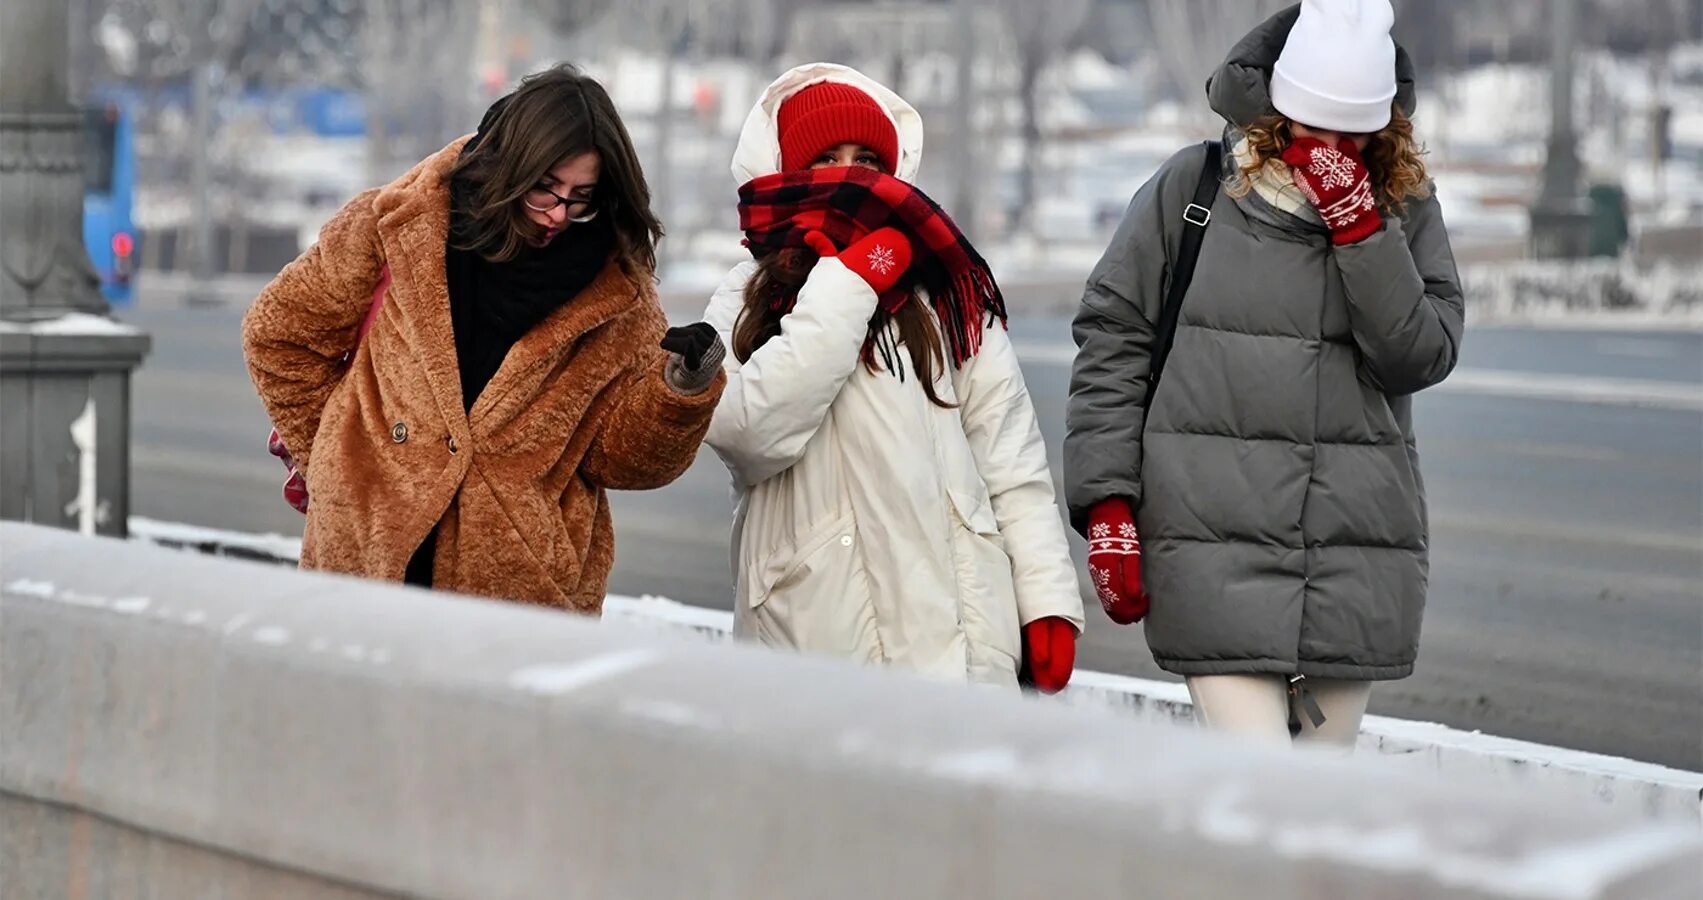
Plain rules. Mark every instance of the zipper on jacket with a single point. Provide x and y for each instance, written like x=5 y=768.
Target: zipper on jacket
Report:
x=1300 y=697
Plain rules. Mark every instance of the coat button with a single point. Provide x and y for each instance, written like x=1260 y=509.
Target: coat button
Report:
x=453 y=446
x=399 y=432
x=845 y=540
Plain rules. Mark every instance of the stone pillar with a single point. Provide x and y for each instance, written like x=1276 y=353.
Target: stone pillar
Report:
x=64 y=363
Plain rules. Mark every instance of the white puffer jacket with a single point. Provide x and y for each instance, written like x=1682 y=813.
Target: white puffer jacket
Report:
x=873 y=524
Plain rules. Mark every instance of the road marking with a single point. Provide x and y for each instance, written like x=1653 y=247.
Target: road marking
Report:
x=1636 y=348
x=1639 y=392
x=1544 y=529
x=1535 y=450
x=1565 y=452
x=201 y=465
x=181 y=385
x=1052 y=354
x=1536 y=575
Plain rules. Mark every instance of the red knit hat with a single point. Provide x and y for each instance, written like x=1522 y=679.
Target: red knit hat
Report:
x=828 y=114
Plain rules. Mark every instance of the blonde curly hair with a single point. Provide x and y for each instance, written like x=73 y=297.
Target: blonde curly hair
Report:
x=1393 y=157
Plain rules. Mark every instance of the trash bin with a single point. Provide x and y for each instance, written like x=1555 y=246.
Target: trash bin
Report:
x=1611 y=227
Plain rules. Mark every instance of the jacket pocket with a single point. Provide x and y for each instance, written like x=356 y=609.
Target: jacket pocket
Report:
x=987 y=593
x=813 y=595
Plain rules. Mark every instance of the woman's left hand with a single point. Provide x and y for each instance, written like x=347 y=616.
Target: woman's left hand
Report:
x=696 y=354
x=1049 y=653
x=1335 y=180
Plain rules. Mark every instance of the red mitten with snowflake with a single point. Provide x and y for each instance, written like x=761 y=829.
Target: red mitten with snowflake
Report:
x=1049 y=653
x=1335 y=181
x=880 y=258
x=1114 y=561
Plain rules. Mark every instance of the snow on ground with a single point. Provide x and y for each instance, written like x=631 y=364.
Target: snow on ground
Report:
x=269 y=547
x=71 y=324
x=1538 y=290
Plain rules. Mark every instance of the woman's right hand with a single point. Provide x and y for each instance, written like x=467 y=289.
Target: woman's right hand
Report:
x=880 y=258
x=1114 y=561
x=695 y=356
x=1336 y=182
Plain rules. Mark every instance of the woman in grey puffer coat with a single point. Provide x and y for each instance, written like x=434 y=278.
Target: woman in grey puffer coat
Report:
x=1274 y=485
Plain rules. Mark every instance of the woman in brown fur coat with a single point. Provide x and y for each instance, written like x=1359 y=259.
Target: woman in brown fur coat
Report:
x=518 y=367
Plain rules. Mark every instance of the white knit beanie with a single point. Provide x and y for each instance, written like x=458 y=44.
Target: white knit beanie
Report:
x=1338 y=67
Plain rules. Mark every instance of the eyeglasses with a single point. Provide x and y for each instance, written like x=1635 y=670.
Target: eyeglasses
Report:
x=542 y=199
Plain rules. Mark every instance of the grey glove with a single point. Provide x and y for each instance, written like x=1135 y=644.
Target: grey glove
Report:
x=695 y=355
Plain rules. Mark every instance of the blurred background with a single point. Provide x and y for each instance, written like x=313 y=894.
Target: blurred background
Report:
x=1564 y=459
x=233 y=128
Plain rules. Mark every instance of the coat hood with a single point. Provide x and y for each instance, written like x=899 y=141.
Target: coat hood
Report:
x=1240 y=90
x=759 y=149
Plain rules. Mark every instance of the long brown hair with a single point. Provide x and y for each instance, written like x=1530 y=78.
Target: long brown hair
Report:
x=778 y=279
x=1393 y=157
x=554 y=115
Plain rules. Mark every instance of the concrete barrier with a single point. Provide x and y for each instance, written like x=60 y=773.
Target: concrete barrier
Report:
x=225 y=729
x=1643 y=788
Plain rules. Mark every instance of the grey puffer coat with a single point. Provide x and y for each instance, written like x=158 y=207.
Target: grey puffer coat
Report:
x=1281 y=509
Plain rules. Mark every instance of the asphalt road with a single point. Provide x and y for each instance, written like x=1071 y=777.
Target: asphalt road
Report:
x=1566 y=602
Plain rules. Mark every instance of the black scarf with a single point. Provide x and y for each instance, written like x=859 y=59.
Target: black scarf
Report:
x=493 y=305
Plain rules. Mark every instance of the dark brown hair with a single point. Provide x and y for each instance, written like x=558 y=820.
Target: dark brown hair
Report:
x=778 y=279
x=555 y=115
x=1393 y=158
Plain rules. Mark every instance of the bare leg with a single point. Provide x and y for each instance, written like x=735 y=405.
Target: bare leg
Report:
x=1254 y=706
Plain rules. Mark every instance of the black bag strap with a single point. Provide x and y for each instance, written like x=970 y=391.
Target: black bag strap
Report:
x=1195 y=218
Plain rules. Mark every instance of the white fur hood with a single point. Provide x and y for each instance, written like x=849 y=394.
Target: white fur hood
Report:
x=759 y=150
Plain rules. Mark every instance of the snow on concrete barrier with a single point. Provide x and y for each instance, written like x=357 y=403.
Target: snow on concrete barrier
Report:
x=229 y=731
x=1601 y=292
x=1645 y=788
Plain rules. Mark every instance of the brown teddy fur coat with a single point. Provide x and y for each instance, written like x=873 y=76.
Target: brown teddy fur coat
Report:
x=579 y=407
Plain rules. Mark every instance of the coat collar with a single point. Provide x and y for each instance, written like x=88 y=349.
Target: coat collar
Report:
x=413 y=229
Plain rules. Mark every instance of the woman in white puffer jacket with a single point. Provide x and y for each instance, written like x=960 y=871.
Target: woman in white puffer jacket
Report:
x=895 y=504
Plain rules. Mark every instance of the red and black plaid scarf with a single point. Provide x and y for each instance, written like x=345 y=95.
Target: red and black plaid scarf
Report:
x=846 y=203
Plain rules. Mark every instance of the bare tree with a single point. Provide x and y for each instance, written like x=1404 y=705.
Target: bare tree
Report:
x=198 y=41
x=217 y=49
x=673 y=31
x=668 y=29
x=565 y=16
x=417 y=68
x=759 y=28
x=1040 y=32
x=1191 y=37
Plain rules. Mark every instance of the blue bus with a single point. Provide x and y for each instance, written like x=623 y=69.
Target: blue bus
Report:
x=109 y=185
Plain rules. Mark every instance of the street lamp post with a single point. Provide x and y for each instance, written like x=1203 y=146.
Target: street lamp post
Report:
x=64 y=363
x=1561 y=218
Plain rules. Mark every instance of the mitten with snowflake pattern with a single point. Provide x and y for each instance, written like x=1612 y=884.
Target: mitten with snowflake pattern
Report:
x=880 y=258
x=1336 y=182
x=1114 y=561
